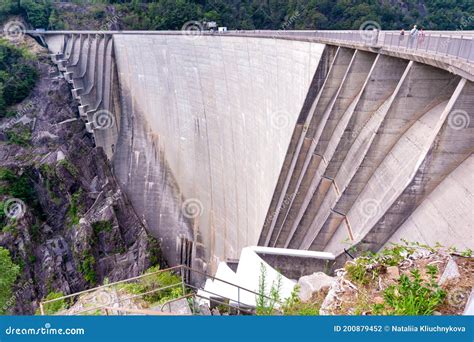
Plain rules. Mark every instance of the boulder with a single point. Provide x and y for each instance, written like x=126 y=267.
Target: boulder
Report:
x=312 y=284
x=450 y=272
x=469 y=309
x=393 y=272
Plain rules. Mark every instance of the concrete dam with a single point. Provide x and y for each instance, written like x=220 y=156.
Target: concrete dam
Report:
x=311 y=140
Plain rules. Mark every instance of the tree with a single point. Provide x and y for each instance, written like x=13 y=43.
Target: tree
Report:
x=8 y=273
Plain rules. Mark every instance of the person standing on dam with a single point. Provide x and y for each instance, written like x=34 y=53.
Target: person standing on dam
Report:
x=413 y=36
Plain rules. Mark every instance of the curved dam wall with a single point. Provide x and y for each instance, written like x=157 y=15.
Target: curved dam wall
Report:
x=219 y=113
x=229 y=141
x=387 y=156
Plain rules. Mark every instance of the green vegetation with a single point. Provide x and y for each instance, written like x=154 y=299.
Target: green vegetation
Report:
x=74 y=208
x=412 y=296
x=153 y=282
x=267 y=301
x=17 y=75
x=36 y=12
x=246 y=14
x=19 y=135
x=69 y=167
x=56 y=306
x=87 y=268
x=8 y=273
x=102 y=226
x=294 y=307
x=367 y=267
x=17 y=186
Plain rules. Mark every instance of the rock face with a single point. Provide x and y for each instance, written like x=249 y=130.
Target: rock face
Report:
x=313 y=283
x=78 y=227
x=450 y=272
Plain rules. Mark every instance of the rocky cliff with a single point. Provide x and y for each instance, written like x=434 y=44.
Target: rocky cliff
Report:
x=74 y=227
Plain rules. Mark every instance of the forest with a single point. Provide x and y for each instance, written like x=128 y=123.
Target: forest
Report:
x=248 y=14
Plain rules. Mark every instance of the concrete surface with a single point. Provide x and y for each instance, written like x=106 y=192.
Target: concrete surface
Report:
x=276 y=139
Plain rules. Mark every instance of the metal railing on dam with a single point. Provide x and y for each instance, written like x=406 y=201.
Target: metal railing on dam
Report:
x=453 y=50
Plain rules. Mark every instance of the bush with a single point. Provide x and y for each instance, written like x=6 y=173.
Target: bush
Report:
x=17 y=76
x=56 y=306
x=87 y=268
x=8 y=273
x=19 y=135
x=154 y=282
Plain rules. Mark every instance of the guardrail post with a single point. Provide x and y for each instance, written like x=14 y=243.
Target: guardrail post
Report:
x=437 y=44
x=41 y=309
x=182 y=281
x=459 y=48
x=238 y=299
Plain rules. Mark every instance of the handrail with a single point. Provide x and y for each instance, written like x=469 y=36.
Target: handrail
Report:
x=181 y=267
x=140 y=311
x=175 y=300
x=224 y=281
x=110 y=284
x=129 y=297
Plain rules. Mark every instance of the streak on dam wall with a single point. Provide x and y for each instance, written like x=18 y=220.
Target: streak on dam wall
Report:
x=230 y=141
x=212 y=116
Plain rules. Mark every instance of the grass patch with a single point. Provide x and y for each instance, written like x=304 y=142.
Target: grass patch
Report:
x=366 y=268
x=56 y=306
x=294 y=307
x=412 y=296
x=154 y=282
x=19 y=135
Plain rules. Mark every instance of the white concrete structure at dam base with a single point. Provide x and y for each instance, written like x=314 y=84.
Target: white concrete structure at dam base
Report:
x=305 y=140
